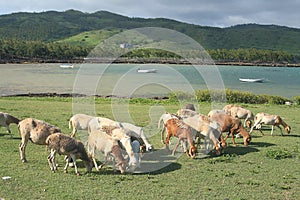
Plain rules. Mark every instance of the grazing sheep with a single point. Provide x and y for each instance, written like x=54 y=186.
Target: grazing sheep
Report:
x=36 y=131
x=66 y=145
x=79 y=122
x=99 y=140
x=164 y=118
x=231 y=125
x=119 y=133
x=186 y=113
x=240 y=113
x=274 y=120
x=7 y=119
x=138 y=133
x=215 y=111
x=177 y=128
x=208 y=129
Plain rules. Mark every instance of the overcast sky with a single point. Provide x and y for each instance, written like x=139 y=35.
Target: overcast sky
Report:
x=220 y=13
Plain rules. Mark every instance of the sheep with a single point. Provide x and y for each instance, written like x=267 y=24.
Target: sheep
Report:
x=7 y=119
x=79 y=122
x=207 y=128
x=231 y=125
x=99 y=140
x=177 y=128
x=66 y=145
x=119 y=133
x=240 y=113
x=215 y=111
x=36 y=131
x=138 y=133
x=274 y=120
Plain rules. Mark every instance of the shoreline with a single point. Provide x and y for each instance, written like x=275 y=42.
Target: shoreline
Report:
x=150 y=61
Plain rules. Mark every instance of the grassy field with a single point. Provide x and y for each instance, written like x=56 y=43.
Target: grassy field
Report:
x=267 y=169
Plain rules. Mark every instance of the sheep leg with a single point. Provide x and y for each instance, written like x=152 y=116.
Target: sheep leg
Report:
x=168 y=140
x=227 y=135
x=73 y=132
x=51 y=160
x=233 y=141
x=22 y=148
x=162 y=134
x=95 y=163
x=232 y=131
x=272 y=130
x=9 y=131
x=73 y=156
x=173 y=153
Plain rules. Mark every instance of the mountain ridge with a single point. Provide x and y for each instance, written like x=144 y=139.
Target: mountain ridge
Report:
x=49 y=26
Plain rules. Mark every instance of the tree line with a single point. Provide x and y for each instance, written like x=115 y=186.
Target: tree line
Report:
x=19 y=50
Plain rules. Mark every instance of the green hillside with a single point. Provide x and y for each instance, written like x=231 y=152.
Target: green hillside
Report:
x=88 y=28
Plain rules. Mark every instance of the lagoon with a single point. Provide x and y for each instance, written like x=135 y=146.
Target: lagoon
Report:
x=123 y=79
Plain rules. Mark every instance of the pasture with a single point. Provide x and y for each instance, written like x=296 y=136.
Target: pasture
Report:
x=266 y=169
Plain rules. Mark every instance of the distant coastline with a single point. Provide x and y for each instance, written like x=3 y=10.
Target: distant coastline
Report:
x=148 y=61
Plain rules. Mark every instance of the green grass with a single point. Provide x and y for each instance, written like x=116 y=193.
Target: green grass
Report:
x=267 y=169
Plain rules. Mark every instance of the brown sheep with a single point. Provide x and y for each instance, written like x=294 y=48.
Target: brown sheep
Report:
x=232 y=126
x=177 y=128
x=7 y=119
x=66 y=145
x=36 y=131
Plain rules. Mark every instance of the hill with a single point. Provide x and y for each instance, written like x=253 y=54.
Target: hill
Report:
x=74 y=26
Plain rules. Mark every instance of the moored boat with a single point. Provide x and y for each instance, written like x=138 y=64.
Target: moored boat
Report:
x=252 y=80
x=66 y=66
x=146 y=70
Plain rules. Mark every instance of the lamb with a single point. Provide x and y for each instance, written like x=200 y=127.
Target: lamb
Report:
x=99 y=140
x=36 y=131
x=7 y=119
x=66 y=145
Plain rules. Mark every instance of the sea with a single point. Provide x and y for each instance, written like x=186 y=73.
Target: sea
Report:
x=123 y=80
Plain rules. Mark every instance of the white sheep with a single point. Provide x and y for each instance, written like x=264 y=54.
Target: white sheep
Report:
x=99 y=140
x=119 y=133
x=66 y=145
x=79 y=122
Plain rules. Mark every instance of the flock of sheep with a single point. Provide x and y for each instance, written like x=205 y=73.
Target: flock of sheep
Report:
x=126 y=143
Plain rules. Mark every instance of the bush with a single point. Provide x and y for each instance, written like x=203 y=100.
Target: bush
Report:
x=297 y=100
x=234 y=96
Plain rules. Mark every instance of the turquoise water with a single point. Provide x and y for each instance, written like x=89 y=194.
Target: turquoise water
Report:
x=123 y=80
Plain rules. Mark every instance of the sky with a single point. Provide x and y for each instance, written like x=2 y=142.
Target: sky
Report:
x=217 y=13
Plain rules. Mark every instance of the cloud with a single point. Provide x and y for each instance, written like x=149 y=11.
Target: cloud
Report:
x=202 y=12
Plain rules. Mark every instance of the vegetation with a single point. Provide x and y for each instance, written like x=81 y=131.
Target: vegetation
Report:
x=266 y=169
x=72 y=34
x=232 y=96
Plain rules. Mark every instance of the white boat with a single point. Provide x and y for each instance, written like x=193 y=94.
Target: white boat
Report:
x=146 y=70
x=66 y=66
x=252 y=80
